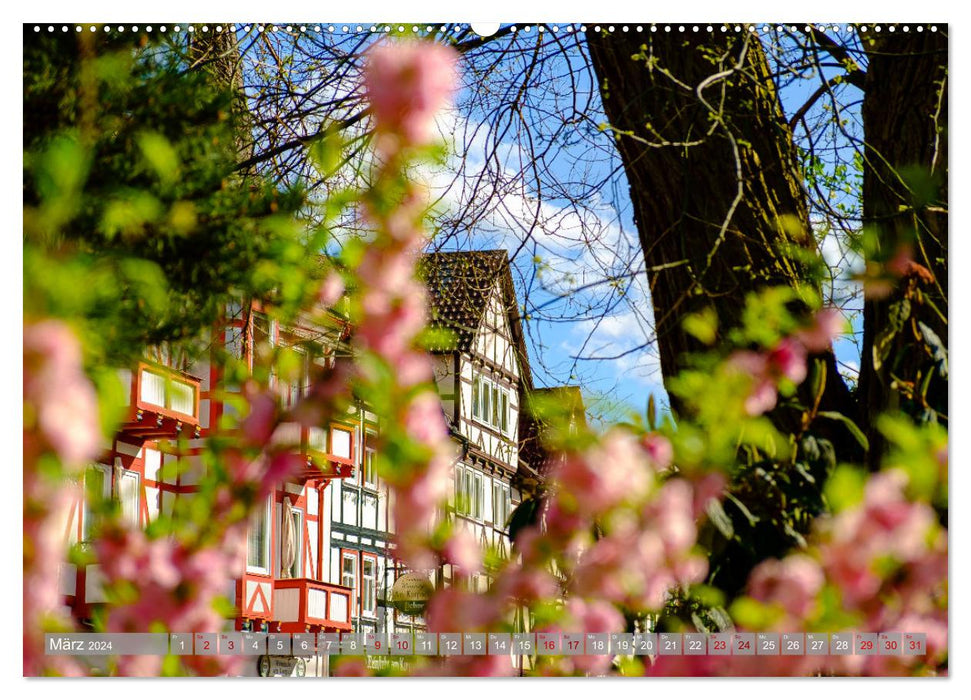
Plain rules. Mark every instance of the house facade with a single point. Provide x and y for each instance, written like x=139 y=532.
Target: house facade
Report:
x=320 y=554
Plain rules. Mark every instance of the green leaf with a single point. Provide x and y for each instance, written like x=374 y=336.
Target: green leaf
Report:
x=844 y=488
x=938 y=349
x=719 y=518
x=850 y=425
x=818 y=380
x=752 y=519
x=159 y=155
x=752 y=614
x=702 y=325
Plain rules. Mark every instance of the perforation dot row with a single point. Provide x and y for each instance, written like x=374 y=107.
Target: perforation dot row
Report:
x=350 y=29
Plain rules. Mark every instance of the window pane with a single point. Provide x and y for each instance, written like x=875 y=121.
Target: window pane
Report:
x=485 y=402
x=340 y=443
x=475 y=397
x=182 y=398
x=370 y=469
x=128 y=496
x=504 y=412
x=479 y=496
x=317 y=439
x=368 y=585
x=153 y=388
x=349 y=575
x=256 y=553
x=95 y=485
x=495 y=406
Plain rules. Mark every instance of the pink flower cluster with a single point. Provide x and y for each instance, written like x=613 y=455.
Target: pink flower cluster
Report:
x=647 y=529
x=786 y=361
x=644 y=555
x=167 y=583
x=60 y=419
x=407 y=84
x=887 y=558
x=60 y=405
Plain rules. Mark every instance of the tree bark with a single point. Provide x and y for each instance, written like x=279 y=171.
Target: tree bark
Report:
x=218 y=54
x=713 y=179
x=905 y=201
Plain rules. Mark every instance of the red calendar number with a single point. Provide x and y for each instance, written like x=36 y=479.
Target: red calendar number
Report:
x=720 y=645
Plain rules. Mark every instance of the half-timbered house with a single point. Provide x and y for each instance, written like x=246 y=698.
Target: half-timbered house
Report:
x=288 y=582
x=320 y=553
x=483 y=377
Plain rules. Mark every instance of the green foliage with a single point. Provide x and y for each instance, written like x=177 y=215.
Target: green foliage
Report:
x=135 y=225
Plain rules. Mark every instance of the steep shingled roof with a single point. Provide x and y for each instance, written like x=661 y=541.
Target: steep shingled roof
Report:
x=459 y=286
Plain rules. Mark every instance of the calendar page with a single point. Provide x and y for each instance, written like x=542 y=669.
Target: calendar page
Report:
x=514 y=349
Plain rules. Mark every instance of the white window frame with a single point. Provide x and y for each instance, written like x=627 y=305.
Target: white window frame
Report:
x=491 y=404
x=500 y=494
x=369 y=470
x=469 y=492
x=267 y=519
x=353 y=557
x=298 y=549
x=369 y=586
x=133 y=518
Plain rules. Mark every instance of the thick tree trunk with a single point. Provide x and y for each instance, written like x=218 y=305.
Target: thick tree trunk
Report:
x=218 y=54
x=905 y=203
x=713 y=179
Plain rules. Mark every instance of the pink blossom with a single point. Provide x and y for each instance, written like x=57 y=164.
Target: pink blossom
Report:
x=455 y=610
x=331 y=289
x=709 y=487
x=793 y=582
x=463 y=551
x=762 y=393
x=788 y=359
x=659 y=450
x=828 y=324
x=597 y=617
x=407 y=84
x=610 y=473
x=671 y=515
x=58 y=394
x=424 y=419
x=527 y=584
x=262 y=419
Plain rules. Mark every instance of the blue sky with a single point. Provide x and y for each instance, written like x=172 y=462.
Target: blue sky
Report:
x=558 y=246
x=569 y=238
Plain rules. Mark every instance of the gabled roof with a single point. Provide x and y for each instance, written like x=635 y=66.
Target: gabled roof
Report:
x=460 y=285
